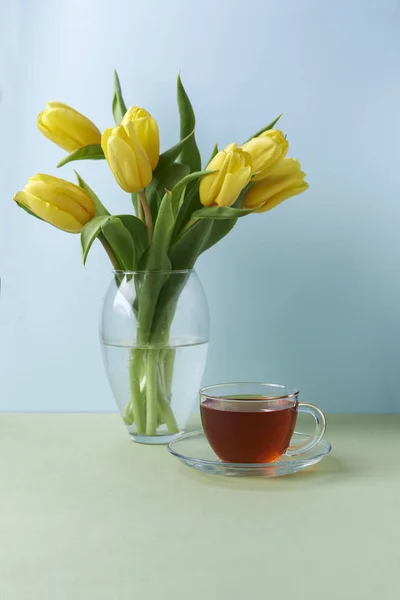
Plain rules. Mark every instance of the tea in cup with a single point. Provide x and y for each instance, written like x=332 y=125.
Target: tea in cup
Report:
x=254 y=422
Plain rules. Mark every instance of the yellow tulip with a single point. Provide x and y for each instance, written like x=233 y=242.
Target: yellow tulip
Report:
x=59 y=202
x=126 y=157
x=284 y=181
x=266 y=150
x=66 y=127
x=233 y=169
x=146 y=130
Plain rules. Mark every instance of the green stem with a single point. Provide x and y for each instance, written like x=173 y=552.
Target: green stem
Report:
x=140 y=211
x=154 y=317
x=128 y=415
x=147 y=213
x=169 y=417
x=109 y=251
x=169 y=362
x=136 y=402
x=165 y=398
x=151 y=391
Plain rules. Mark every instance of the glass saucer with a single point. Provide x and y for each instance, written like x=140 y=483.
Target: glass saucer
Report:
x=194 y=451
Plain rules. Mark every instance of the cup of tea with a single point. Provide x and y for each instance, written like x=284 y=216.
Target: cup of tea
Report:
x=254 y=422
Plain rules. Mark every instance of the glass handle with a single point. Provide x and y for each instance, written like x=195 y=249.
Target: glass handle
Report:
x=320 y=427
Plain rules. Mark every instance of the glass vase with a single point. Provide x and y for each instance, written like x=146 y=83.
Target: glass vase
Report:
x=154 y=333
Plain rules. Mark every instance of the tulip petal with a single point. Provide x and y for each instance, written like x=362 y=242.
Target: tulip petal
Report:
x=220 y=186
x=147 y=133
x=235 y=162
x=60 y=202
x=285 y=167
x=55 y=136
x=142 y=160
x=48 y=212
x=217 y=161
x=128 y=115
x=232 y=186
x=280 y=197
x=231 y=147
x=285 y=175
x=55 y=104
x=247 y=159
x=66 y=127
x=146 y=129
x=126 y=157
x=63 y=194
x=122 y=161
x=279 y=138
x=264 y=153
x=204 y=190
x=104 y=140
x=263 y=190
x=133 y=113
x=74 y=125
x=211 y=185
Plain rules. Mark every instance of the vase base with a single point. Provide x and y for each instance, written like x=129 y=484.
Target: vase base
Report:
x=154 y=440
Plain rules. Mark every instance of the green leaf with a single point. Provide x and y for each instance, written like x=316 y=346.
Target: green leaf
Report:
x=190 y=154
x=119 y=238
x=186 y=250
x=138 y=232
x=118 y=104
x=156 y=189
x=168 y=157
x=213 y=153
x=91 y=152
x=100 y=208
x=175 y=173
x=221 y=227
x=166 y=306
x=190 y=203
x=157 y=255
x=154 y=259
x=117 y=84
x=179 y=189
x=89 y=233
x=219 y=230
x=266 y=128
x=135 y=202
x=221 y=212
x=154 y=197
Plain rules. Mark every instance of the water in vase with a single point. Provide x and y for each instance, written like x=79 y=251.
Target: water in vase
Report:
x=176 y=378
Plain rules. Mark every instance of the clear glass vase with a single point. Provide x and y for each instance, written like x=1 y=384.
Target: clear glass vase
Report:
x=154 y=332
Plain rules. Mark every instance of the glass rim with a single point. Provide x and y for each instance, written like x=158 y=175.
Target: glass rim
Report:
x=291 y=393
x=159 y=272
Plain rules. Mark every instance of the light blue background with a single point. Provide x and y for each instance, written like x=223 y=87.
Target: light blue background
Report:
x=307 y=294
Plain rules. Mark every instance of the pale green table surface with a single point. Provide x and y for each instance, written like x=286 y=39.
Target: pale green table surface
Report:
x=87 y=514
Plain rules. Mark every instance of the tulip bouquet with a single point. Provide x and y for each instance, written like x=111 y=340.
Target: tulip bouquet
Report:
x=181 y=210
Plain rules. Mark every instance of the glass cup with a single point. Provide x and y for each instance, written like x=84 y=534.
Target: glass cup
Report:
x=254 y=422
